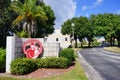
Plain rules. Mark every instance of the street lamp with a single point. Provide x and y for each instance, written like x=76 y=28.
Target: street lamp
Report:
x=73 y=31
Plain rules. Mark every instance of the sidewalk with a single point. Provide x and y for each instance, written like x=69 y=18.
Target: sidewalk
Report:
x=90 y=72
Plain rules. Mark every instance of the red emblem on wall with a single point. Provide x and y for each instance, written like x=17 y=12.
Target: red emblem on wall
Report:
x=32 y=48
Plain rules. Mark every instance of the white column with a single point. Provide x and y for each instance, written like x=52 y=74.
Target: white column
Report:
x=10 y=52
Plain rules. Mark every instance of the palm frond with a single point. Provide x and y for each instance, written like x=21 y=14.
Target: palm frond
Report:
x=40 y=13
x=44 y=17
x=17 y=7
x=28 y=12
x=18 y=19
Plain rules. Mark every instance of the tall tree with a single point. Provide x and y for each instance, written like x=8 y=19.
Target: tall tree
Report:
x=47 y=27
x=6 y=17
x=117 y=28
x=89 y=32
x=105 y=26
x=83 y=28
x=67 y=29
x=28 y=12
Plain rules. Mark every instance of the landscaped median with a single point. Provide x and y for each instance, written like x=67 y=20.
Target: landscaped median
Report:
x=113 y=49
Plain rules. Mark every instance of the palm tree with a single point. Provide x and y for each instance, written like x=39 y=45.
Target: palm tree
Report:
x=27 y=14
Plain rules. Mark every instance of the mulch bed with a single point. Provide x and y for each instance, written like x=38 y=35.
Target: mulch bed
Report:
x=40 y=73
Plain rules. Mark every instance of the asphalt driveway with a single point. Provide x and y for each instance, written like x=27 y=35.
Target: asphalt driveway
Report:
x=107 y=64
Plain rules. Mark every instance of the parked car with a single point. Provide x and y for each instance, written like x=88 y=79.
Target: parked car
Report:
x=105 y=44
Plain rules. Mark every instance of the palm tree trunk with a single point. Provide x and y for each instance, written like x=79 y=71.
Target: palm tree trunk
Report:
x=34 y=28
x=31 y=28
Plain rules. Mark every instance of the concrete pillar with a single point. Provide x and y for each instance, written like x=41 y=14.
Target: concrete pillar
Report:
x=10 y=52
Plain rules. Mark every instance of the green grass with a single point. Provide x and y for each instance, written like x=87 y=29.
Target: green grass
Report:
x=77 y=73
x=8 y=78
x=113 y=49
x=75 y=52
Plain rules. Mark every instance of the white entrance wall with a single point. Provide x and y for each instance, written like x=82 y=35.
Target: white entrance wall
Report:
x=14 y=49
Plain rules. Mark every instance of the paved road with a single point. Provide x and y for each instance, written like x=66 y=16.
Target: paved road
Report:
x=106 y=63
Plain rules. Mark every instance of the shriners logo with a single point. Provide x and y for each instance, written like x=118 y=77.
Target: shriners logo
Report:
x=32 y=48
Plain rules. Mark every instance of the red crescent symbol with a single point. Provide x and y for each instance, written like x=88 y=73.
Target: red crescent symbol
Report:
x=32 y=48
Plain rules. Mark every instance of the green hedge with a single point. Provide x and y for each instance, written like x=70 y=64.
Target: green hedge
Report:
x=2 y=59
x=52 y=62
x=24 y=66
x=68 y=53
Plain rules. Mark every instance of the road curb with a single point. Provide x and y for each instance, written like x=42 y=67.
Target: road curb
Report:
x=90 y=72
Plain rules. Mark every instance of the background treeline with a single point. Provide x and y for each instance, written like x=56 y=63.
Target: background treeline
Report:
x=106 y=25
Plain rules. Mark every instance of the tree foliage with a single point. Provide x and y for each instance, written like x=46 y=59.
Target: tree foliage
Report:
x=34 y=17
x=107 y=25
x=82 y=29
x=6 y=18
x=47 y=27
x=27 y=14
x=16 y=14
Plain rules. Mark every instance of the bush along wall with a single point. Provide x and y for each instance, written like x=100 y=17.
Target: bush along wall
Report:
x=2 y=59
x=23 y=66
x=69 y=54
x=52 y=62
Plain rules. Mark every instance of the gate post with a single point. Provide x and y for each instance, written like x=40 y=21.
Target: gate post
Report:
x=10 y=52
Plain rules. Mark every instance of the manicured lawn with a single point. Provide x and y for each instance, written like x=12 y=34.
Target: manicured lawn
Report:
x=7 y=78
x=75 y=74
x=113 y=49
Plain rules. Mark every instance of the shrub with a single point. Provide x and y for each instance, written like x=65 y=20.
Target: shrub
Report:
x=23 y=34
x=2 y=59
x=23 y=66
x=53 y=62
x=95 y=43
x=68 y=53
x=84 y=43
x=63 y=63
x=40 y=63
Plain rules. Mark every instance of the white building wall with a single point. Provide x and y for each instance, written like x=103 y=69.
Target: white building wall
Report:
x=64 y=40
